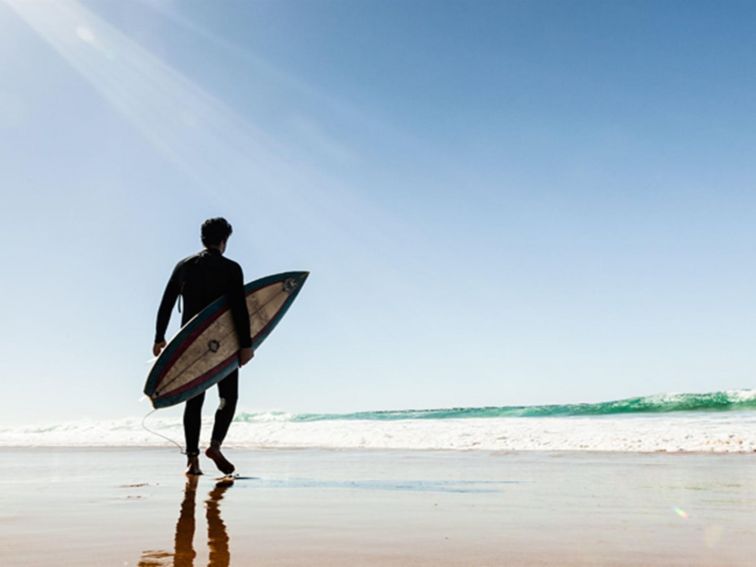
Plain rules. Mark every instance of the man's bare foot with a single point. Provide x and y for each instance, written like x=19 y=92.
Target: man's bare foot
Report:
x=220 y=461
x=192 y=466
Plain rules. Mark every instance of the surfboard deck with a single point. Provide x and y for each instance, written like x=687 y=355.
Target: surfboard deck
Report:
x=206 y=349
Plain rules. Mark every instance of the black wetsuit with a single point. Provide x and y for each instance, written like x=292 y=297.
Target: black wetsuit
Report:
x=200 y=280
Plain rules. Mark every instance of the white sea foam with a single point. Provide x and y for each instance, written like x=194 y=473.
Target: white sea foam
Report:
x=727 y=432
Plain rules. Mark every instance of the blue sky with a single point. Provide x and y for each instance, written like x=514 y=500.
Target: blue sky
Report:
x=500 y=203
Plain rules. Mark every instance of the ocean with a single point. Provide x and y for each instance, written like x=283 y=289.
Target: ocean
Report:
x=717 y=422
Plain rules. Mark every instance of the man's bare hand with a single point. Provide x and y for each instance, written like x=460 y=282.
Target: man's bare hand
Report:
x=157 y=347
x=245 y=355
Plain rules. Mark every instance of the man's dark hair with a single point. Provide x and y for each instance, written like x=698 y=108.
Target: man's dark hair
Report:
x=215 y=231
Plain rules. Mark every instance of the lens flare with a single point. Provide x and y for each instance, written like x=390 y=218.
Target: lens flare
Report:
x=85 y=34
x=681 y=513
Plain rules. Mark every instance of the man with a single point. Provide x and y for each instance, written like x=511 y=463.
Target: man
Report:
x=201 y=279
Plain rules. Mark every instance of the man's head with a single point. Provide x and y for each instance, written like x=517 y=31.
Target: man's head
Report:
x=215 y=232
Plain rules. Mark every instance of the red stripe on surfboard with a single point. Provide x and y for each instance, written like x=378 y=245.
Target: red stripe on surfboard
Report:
x=197 y=381
x=214 y=369
x=196 y=333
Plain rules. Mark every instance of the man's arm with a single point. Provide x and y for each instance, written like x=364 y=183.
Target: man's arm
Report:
x=170 y=295
x=240 y=314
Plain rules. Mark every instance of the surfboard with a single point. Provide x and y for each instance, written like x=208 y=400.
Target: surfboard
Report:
x=206 y=349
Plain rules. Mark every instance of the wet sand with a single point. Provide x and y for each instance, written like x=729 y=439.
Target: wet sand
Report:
x=317 y=507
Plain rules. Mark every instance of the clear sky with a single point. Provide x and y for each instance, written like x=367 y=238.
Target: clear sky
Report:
x=499 y=202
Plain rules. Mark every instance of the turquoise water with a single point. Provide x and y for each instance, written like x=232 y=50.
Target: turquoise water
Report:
x=715 y=422
x=732 y=400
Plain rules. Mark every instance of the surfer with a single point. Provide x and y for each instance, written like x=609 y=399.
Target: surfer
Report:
x=200 y=279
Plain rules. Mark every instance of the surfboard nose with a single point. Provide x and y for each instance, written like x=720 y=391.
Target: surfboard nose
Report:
x=295 y=281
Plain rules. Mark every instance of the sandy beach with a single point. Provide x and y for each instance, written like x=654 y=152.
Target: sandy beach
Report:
x=126 y=506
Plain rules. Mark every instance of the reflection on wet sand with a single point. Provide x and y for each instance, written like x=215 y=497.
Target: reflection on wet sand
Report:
x=217 y=536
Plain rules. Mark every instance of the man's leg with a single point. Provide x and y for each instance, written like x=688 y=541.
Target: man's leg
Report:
x=228 y=390
x=192 y=425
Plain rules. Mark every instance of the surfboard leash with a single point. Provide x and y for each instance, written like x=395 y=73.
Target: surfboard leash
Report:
x=144 y=426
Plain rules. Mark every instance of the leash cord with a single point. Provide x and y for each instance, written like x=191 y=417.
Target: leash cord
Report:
x=144 y=426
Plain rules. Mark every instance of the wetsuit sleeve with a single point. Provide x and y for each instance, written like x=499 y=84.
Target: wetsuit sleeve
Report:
x=238 y=305
x=170 y=295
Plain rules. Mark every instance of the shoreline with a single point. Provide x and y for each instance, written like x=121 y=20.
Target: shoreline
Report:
x=692 y=433
x=379 y=450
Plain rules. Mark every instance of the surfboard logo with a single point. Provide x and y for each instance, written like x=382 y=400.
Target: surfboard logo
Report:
x=290 y=284
x=213 y=345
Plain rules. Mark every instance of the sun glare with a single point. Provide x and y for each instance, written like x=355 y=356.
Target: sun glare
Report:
x=193 y=129
x=210 y=143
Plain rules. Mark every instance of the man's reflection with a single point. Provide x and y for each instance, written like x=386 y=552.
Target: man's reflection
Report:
x=217 y=536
